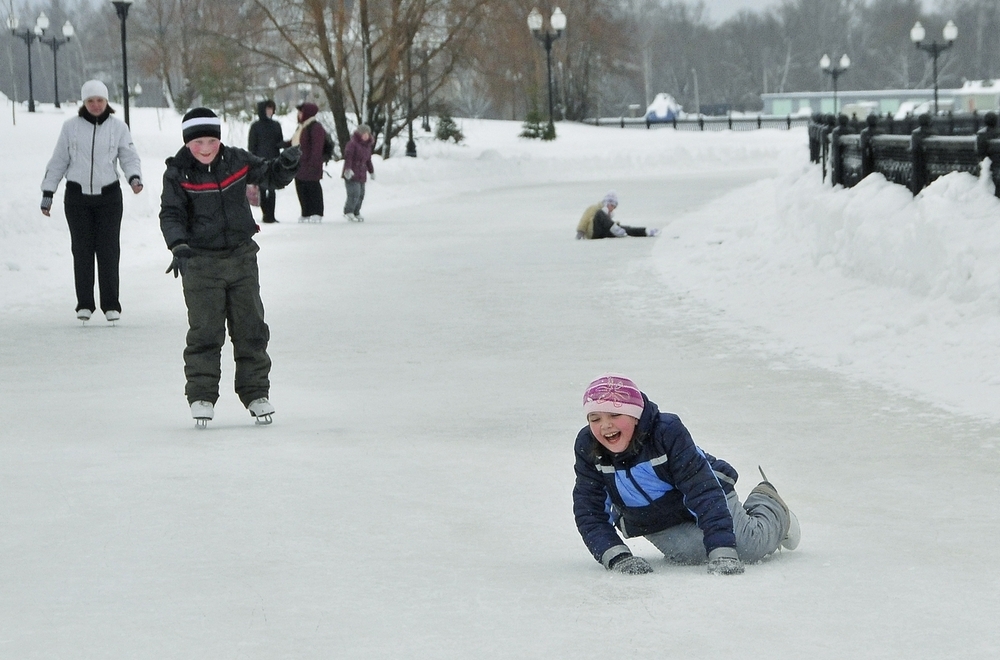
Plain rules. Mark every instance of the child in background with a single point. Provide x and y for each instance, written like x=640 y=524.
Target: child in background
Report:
x=597 y=222
x=639 y=471
x=208 y=226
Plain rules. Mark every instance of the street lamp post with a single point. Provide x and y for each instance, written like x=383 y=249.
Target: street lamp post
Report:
x=425 y=57
x=411 y=146
x=54 y=43
x=834 y=72
x=917 y=34
x=27 y=36
x=558 y=23
x=122 y=7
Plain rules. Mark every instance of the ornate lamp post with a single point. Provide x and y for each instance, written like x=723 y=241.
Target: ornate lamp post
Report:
x=917 y=34
x=54 y=43
x=411 y=146
x=122 y=7
x=558 y=23
x=834 y=72
x=425 y=58
x=28 y=36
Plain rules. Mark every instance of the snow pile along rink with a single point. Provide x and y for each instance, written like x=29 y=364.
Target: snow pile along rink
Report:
x=869 y=281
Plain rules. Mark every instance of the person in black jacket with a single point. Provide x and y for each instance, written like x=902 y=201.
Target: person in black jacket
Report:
x=207 y=224
x=639 y=473
x=266 y=140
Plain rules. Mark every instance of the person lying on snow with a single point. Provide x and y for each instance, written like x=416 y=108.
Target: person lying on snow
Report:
x=639 y=473
x=597 y=222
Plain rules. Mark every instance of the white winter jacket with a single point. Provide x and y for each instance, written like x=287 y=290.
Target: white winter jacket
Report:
x=88 y=153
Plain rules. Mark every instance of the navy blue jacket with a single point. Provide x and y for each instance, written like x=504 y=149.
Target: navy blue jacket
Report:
x=661 y=480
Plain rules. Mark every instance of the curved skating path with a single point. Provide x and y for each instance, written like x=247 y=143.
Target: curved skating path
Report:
x=412 y=498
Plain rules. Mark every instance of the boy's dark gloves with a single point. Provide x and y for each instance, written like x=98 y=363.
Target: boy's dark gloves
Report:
x=179 y=264
x=630 y=565
x=46 y=204
x=724 y=561
x=289 y=158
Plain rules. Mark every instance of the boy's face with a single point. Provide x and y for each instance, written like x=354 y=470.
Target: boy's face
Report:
x=613 y=430
x=204 y=149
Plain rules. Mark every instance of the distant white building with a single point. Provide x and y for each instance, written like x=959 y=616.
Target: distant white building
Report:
x=881 y=101
x=978 y=96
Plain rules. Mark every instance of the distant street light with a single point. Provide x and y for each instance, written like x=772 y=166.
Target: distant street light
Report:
x=558 y=23
x=917 y=34
x=425 y=58
x=28 y=36
x=54 y=43
x=834 y=72
x=122 y=7
x=411 y=146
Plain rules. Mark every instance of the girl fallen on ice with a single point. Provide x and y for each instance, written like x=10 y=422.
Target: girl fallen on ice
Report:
x=597 y=222
x=639 y=473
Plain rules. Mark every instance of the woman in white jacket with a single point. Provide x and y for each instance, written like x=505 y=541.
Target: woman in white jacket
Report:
x=90 y=149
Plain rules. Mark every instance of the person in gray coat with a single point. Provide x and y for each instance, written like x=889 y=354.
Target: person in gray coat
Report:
x=90 y=149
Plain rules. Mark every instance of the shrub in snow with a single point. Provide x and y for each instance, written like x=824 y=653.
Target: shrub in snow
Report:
x=447 y=129
x=536 y=127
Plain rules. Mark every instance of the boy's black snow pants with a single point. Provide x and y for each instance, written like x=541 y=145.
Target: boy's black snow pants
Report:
x=220 y=289
x=95 y=223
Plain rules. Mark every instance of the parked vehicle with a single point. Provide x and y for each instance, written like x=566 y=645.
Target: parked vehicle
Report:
x=664 y=108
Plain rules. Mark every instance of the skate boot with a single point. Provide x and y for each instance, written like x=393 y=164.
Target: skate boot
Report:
x=112 y=315
x=83 y=314
x=261 y=410
x=202 y=411
x=793 y=534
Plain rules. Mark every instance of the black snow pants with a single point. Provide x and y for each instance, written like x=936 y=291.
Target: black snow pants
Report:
x=220 y=289
x=95 y=223
x=310 y=195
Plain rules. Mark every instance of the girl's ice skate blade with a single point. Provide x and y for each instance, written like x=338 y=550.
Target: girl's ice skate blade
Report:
x=261 y=410
x=202 y=412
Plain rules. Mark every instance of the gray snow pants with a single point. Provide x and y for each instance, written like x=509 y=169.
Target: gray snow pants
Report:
x=759 y=525
x=355 y=195
x=223 y=289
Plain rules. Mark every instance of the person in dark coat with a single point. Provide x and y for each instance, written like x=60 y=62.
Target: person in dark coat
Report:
x=597 y=222
x=357 y=167
x=208 y=226
x=639 y=473
x=309 y=136
x=266 y=140
x=92 y=146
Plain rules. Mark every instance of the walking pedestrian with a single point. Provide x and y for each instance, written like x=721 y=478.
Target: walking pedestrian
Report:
x=265 y=140
x=90 y=149
x=309 y=136
x=208 y=226
x=357 y=167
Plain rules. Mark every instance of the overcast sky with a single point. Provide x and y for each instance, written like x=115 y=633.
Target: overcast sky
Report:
x=720 y=10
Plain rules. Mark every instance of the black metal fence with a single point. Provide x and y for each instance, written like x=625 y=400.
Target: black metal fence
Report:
x=727 y=123
x=911 y=152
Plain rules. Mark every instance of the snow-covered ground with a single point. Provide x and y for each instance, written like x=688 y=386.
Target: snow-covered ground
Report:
x=412 y=498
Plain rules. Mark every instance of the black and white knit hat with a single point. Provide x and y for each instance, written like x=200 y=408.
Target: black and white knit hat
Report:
x=201 y=122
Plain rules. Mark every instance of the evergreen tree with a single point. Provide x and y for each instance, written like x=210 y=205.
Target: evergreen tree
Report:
x=447 y=129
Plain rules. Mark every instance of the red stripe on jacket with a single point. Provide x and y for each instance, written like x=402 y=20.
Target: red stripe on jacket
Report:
x=228 y=181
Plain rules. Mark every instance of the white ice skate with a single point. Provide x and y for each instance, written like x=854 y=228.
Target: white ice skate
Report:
x=112 y=315
x=202 y=411
x=83 y=314
x=261 y=410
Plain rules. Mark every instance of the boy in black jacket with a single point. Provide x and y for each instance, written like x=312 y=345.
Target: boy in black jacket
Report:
x=207 y=225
